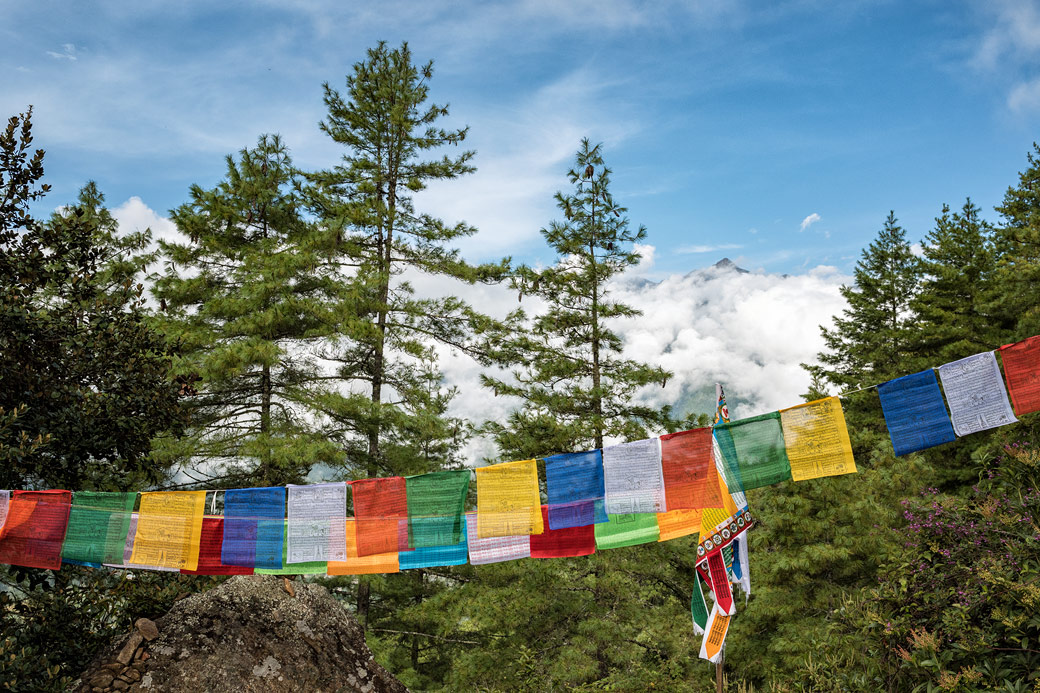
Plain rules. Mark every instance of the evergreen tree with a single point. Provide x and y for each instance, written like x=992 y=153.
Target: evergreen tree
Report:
x=576 y=388
x=1017 y=243
x=385 y=333
x=951 y=306
x=245 y=297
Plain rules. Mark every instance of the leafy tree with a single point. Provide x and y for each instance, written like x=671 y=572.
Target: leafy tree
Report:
x=83 y=377
x=576 y=388
x=246 y=298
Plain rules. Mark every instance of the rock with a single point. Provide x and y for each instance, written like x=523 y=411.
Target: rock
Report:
x=102 y=679
x=114 y=666
x=127 y=653
x=120 y=685
x=230 y=640
x=147 y=628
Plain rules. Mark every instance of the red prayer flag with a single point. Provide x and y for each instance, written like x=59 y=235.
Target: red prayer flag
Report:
x=560 y=543
x=209 y=551
x=691 y=480
x=380 y=515
x=1022 y=372
x=35 y=528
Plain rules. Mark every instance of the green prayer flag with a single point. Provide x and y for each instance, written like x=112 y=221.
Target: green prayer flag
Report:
x=311 y=568
x=753 y=452
x=698 y=607
x=627 y=530
x=436 y=505
x=98 y=523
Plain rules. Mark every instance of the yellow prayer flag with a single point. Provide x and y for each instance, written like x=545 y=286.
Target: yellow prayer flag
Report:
x=817 y=440
x=363 y=565
x=678 y=523
x=169 y=529
x=508 y=500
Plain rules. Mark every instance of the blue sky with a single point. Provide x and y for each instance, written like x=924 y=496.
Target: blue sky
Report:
x=778 y=134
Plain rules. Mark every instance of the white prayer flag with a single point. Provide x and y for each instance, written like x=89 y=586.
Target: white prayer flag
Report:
x=976 y=394
x=633 y=478
x=5 y=499
x=495 y=549
x=317 y=521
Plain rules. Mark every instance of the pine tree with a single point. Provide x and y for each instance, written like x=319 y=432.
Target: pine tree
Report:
x=951 y=306
x=385 y=333
x=244 y=296
x=1017 y=244
x=576 y=388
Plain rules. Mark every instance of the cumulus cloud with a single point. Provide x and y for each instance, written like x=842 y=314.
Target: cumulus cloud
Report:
x=809 y=221
x=134 y=215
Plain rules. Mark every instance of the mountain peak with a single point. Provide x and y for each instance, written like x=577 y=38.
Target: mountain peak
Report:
x=727 y=264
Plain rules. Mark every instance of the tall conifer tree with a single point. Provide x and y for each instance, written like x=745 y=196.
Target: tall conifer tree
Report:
x=245 y=297
x=1017 y=243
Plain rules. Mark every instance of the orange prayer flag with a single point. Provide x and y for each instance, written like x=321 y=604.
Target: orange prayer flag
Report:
x=363 y=565
x=35 y=528
x=679 y=523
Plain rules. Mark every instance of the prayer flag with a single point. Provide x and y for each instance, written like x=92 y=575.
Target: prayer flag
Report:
x=715 y=638
x=35 y=528
x=753 y=452
x=508 y=500
x=1022 y=370
x=575 y=489
x=5 y=499
x=254 y=525
x=436 y=504
x=976 y=395
x=495 y=549
x=817 y=440
x=363 y=565
x=633 y=478
x=560 y=543
x=169 y=529
x=380 y=515
x=698 y=607
x=303 y=568
x=690 y=477
x=128 y=552
x=98 y=523
x=720 y=582
x=627 y=530
x=317 y=516
x=914 y=412
x=434 y=556
x=210 y=551
x=678 y=523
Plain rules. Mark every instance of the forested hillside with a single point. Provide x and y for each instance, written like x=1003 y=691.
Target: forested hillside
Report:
x=283 y=342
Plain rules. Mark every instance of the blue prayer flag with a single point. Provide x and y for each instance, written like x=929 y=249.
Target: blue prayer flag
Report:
x=433 y=556
x=915 y=412
x=575 y=488
x=254 y=522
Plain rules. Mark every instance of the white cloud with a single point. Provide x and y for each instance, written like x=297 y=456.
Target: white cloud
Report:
x=698 y=249
x=1025 y=97
x=809 y=221
x=1009 y=51
x=134 y=215
x=68 y=52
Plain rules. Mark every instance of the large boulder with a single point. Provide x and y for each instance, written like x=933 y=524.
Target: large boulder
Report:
x=252 y=633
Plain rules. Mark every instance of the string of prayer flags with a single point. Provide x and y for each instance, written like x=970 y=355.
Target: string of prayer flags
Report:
x=575 y=489
x=817 y=440
x=976 y=395
x=380 y=515
x=678 y=523
x=508 y=500
x=633 y=478
x=210 y=545
x=436 y=505
x=98 y=523
x=690 y=477
x=169 y=529
x=34 y=528
x=561 y=543
x=317 y=515
x=363 y=565
x=254 y=526
x=435 y=556
x=915 y=413
x=627 y=530
x=495 y=549
x=128 y=552
x=302 y=568
x=1022 y=370
x=753 y=452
